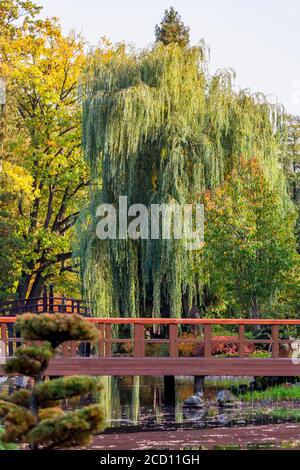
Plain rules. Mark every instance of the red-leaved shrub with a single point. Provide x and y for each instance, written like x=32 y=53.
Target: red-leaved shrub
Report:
x=224 y=345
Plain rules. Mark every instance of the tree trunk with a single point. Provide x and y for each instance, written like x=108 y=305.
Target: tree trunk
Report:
x=254 y=312
x=34 y=405
x=254 y=308
x=37 y=286
x=23 y=285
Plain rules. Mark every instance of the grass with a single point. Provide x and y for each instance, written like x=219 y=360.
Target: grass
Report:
x=226 y=383
x=285 y=413
x=277 y=393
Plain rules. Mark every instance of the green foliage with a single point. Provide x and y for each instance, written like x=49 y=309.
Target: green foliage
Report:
x=44 y=176
x=277 y=393
x=70 y=429
x=4 y=445
x=172 y=29
x=30 y=360
x=285 y=414
x=34 y=416
x=159 y=129
x=291 y=164
x=221 y=383
x=50 y=413
x=18 y=421
x=55 y=328
x=250 y=247
x=20 y=398
x=65 y=388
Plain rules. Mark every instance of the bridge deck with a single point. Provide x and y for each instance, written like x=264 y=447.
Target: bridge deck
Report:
x=159 y=366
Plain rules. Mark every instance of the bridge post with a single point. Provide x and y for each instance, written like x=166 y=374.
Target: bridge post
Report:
x=107 y=341
x=101 y=345
x=173 y=340
x=139 y=340
x=45 y=300
x=207 y=340
x=242 y=340
x=198 y=383
x=4 y=338
x=51 y=298
x=169 y=389
x=275 y=341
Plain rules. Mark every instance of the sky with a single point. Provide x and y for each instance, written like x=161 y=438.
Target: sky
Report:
x=259 y=39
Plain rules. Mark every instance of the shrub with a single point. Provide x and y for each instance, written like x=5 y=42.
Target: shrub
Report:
x=227 y=345
x=34 y=416
x=4 y=445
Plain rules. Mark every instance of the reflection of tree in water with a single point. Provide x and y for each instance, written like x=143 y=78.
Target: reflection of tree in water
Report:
x=120 y=399
x=140 y=401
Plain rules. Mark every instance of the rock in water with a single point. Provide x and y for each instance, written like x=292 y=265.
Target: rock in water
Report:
x=194 y=414
x=195 y=401
x=224 y=398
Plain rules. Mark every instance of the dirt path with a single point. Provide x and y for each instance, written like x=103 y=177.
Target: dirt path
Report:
x=208 y=438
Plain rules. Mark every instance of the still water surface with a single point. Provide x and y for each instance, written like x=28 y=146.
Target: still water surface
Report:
x=136 y=406
x=138 y=403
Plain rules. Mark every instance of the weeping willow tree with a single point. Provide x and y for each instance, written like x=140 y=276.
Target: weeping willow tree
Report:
x=158 y=129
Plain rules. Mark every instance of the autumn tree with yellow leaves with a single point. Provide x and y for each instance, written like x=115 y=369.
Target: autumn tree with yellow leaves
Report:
x=44 y=176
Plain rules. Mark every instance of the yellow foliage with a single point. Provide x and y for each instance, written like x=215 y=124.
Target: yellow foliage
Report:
x=20 y=181
x=50 y=413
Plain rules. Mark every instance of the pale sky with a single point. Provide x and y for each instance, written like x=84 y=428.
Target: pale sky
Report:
x=259 y=39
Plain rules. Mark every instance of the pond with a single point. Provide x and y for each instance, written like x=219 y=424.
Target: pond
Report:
x=138 y=403
x=137 y=417
x=135 y=407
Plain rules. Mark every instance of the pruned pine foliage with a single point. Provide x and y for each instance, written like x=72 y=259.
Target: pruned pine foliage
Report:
x=35 y=417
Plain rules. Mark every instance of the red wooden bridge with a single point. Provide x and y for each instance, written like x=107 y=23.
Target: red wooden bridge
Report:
x=125 y=347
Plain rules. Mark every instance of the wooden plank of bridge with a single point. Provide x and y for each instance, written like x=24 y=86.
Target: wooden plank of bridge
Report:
x=107 y=340
x=159 y=366
x=242 y=340
x=207 y=340
x=65 y=349
x=45 y=300
x=173 y=340
x=74 y=348
x=275 y=341
x=4 y=337
x=139 y=340
x=101 y=346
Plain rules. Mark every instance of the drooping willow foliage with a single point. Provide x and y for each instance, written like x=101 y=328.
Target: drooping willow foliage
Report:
x=158 y=129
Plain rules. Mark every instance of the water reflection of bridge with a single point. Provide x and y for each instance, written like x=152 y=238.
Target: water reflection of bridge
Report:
x=155 y=346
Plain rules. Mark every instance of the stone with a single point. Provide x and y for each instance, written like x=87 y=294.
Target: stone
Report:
x=194 y=414
x=224 y=398
x=238 y=404
x=228 y=405
x=195 y=401
x=240 y=422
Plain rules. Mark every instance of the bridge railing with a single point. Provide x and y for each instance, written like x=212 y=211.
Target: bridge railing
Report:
x=136 y=338
x=45 y=304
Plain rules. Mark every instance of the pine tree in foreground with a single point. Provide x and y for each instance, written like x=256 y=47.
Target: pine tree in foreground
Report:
x=35 y=417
